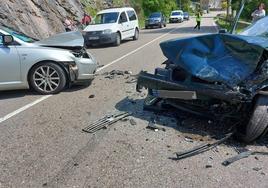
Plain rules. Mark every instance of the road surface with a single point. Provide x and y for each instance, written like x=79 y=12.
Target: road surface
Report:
x=42 y=143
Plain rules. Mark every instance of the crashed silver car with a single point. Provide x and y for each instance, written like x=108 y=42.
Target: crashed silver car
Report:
x=218 y=76
x=47 y=66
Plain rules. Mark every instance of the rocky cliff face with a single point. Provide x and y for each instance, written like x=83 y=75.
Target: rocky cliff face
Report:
x=38 y=18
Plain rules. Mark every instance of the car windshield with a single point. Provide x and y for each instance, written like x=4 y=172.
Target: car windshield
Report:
x=185 y=14
x=106 y=18
x=175 y=13
x=155 y=15
x=19 y=35
x=258 y=28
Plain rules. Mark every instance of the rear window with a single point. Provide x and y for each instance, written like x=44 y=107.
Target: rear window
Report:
x=131 y=15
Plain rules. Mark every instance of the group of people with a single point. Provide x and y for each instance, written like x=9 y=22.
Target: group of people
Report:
x=71 y=25
x=256 y=15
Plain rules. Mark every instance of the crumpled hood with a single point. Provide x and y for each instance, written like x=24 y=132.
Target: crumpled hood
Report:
x=99 y=27
x=67 y=40
x=224 y=58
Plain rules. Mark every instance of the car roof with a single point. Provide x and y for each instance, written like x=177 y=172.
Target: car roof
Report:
x=116 y=10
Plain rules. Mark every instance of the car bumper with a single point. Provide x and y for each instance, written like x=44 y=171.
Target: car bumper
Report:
x=175 y=20
x=153 y=24
x=83 y=70
x=96 y=39
x=160 y=85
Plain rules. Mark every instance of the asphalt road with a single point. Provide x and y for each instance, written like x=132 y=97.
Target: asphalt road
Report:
x=42 y=143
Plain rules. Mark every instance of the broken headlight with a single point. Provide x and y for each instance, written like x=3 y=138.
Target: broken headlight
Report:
x=81 y=54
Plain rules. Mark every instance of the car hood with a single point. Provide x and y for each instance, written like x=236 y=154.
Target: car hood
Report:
x=99 y=27
x=67 y=40
x=223 y=58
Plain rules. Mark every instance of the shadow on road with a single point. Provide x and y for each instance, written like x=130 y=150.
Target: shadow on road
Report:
x=15 y=94
x=190 y=126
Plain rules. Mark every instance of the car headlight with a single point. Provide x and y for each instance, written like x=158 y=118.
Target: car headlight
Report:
x=107 y=31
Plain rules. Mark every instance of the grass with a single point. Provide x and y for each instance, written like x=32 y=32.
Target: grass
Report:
x=223 y=24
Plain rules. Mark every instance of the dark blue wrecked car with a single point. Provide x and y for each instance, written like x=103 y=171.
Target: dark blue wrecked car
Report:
x=217 y=75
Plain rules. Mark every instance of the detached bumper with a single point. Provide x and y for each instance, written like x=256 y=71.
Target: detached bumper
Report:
x=97 y=38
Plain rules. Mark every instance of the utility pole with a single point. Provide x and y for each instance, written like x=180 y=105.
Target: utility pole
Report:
x=179 y=3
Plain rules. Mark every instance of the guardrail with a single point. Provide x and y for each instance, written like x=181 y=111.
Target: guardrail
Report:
x=241 y=24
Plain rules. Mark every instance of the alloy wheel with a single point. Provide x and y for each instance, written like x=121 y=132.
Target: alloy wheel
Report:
x=46 y=78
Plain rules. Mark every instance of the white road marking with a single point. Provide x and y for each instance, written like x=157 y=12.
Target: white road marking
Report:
x=10 y=115
x=18 y=111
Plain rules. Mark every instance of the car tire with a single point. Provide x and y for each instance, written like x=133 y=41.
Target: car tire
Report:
x=47 y=78
x=117 y=40
x=160 y=25
x=136 y=35
x=258 y=123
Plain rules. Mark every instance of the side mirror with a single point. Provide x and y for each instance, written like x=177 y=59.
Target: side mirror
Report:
x=7 y=40
x=223 y=31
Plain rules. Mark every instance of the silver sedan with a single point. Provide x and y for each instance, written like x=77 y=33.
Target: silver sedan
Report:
x=47 y=66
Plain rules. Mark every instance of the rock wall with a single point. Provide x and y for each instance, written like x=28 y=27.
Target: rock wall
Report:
x=42 y=18
x=38 y=18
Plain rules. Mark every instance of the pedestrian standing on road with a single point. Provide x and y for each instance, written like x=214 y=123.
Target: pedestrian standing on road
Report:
x=259 y=13
x=198 y=19
x=86 y=20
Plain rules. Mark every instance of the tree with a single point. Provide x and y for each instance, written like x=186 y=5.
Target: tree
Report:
x=165 y=6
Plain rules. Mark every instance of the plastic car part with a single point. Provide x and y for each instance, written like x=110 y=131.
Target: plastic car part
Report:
x=202 y=148
x=105 y=122
x=242 y=155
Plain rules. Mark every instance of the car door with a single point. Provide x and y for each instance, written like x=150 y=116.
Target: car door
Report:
x=124 y=25
x=132 y=22
x=10 y=67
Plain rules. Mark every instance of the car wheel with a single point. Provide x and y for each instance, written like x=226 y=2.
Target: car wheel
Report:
x=117 y=40
x=136 y=35
x=258 y=122
x=47 y=78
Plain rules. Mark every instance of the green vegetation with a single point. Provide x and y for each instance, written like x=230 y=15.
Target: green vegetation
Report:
x=142 y=7
x=249 y=7
x=227 y=24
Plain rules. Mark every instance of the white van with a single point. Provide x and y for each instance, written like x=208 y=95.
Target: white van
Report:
x=112 y=26
x=176 y=16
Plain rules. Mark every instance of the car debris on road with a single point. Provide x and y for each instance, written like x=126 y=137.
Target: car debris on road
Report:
x=152 y=126
x=242 y=155
x=114 y=73
x=106 y=121
x=202 y=148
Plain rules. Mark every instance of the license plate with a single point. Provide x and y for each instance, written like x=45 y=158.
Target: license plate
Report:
x=94 y=38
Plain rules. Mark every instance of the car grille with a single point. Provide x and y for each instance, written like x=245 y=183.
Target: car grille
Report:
x=94 y=32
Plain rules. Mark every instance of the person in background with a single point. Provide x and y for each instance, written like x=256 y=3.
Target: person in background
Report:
x=259 y=13
x=86 y=20
x=68 y=24
x=198 y=19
